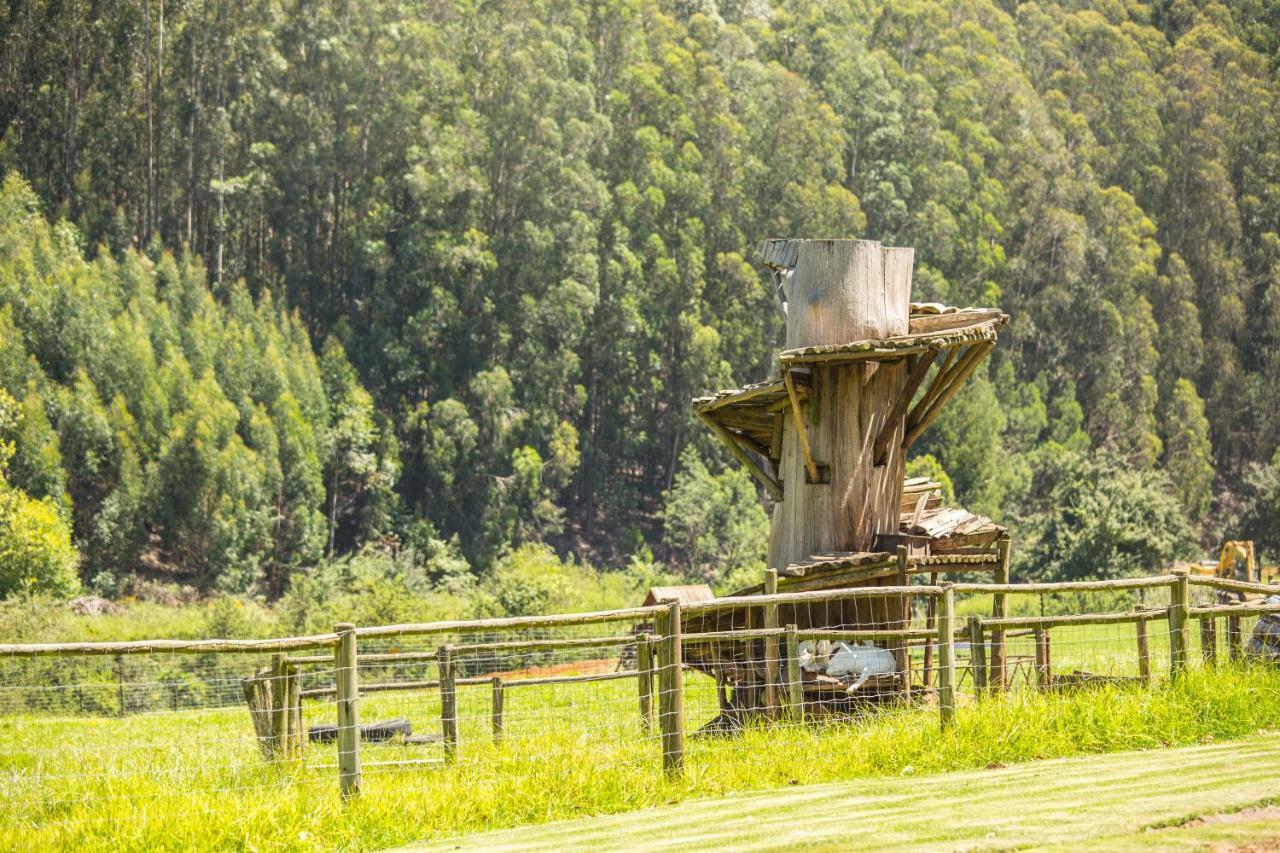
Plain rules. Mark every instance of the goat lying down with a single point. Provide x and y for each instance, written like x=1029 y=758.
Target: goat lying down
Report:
x=841 y=659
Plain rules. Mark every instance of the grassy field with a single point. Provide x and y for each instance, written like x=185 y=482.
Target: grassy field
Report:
x=194 y=779
x=1183 y=798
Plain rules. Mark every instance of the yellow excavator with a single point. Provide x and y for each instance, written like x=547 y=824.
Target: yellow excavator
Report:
x=1237 y=562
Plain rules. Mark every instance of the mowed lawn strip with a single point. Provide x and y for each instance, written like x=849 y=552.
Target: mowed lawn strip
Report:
x=1073 y=801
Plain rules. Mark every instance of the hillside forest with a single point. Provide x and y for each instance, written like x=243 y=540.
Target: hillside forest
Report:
x=308 y=292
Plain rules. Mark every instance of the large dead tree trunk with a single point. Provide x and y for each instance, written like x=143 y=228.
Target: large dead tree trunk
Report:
x=840 y=291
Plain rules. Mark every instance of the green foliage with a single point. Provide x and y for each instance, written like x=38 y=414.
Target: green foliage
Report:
x=713 y=524
x=1094 y=518
x=526 y=231
x=168 y=429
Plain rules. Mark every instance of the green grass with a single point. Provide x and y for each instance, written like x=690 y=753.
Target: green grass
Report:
x=1137 y=801
x=194 y=780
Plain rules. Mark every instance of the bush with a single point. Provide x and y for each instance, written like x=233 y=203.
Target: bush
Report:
x=713 y=524
x=35 y=546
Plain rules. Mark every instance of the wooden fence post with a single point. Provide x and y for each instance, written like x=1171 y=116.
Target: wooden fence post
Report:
x=1044 y=663
x=1144 y=651
x=344 y=667
x=795 y=686
x=930 y=623
x=448 y=701
x=1179 y=629
x=279 y=706
x=1235 y=638
x=644 y=671
x=996 y=675
x=1209 y=639
x=771 y=654
x=498 y=724
x=977 y=656
x=671 y=691
x=297 y=732
x=901 y=649
x=947 y=656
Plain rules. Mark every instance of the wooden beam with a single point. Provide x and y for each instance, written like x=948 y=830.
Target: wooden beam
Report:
x=963 y=370
x=802 y=431
x=771 y=485
x=918 y=371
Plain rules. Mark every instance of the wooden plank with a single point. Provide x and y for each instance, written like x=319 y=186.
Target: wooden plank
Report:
x=795 y=687
x=918 y=372
x=802 y=431
x=771 y=485
x=964 y=369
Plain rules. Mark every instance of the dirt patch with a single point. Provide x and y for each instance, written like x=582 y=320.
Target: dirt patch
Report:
x=1244 y=816
x=1251 y=815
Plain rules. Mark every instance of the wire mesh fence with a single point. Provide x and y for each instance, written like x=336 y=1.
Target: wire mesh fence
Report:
x=638 y=688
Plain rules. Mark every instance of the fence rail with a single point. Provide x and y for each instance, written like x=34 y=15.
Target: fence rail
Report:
x=764 y=654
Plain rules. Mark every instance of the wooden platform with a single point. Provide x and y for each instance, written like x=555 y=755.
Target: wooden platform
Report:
x=943 y=348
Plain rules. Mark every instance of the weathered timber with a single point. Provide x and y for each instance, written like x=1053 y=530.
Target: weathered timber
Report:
x=1044 y=661
x=795 y=685
x=1144 y=651
x=644 y=672
x=1179 y=624
x=1236 y=586
x=499 y=699
x=947 y=656
x=999 y=606
x=671 y=691
x=901 y=653
x=841 y=291
x=348 y=691
x=977 y=656
x=771 y=654
x=448 y=701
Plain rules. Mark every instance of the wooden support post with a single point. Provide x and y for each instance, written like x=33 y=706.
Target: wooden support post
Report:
x=344 y=668
x=1209 y=639
x=930 y=623
x=902 y=651
x=448 y=701
x=498 y=723
x=1235 y=639
x=996 y=675
x=671 y=691
x=947 y=656
x=1044 y=662
x=977 y=656
x=279 y=705
x=1179 y=627
x=1144 y=651
x=771 y=653
x=644 y=671
x=297 y=733
x=795 y=685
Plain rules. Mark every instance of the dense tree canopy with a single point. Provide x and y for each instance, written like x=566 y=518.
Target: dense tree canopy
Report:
x=465 y=264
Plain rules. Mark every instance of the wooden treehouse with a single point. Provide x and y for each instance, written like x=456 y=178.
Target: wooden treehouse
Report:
x=863 y=374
